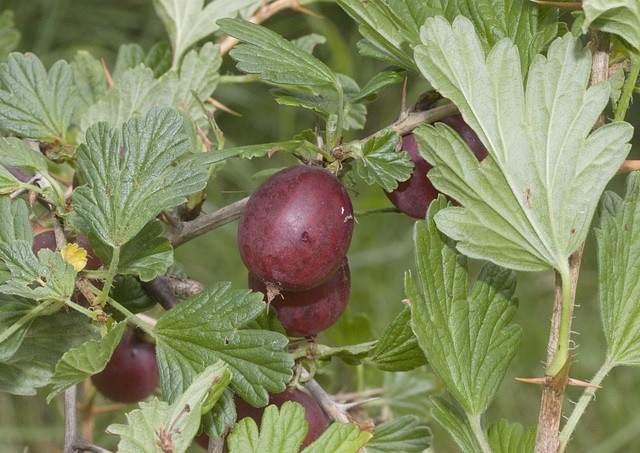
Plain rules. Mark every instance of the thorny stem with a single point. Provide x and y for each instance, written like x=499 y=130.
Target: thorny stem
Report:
x=582 y=404
x=553 y=391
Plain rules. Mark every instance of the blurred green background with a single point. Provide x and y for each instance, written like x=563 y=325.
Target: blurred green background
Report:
x=380 y=253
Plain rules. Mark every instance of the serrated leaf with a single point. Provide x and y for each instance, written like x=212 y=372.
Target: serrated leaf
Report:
x=529 y=204
x=351 y=354
x=379 y=162
x=176 y=425
x=505 y=437
x=619 y=17
x=79 y=363
x=466 y=336
x=45 y=278
x=452 y=418
x=16 y=153
x=402 y=435
x=48 y=338
x=35 y=103
x=147 y=255
x=126 y=192
x=246 y=152
x=376 y=83
x=280 y=431
x=159 y=58
x=8 y=182
x=398 y=349
x=187 y=22
x=14 y=225
x=617 y=241
x=90 y=81
x=206 y=328
x=339 y=438
x=274 y=58
x=309 y=42
x=408 y=392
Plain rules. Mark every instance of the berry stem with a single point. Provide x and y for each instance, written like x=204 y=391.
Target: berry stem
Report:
x=113 y=268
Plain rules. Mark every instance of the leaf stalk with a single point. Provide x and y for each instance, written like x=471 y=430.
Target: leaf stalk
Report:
x=629 y=85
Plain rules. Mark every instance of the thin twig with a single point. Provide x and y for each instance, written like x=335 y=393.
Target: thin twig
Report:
x=70 y=421
x=84 y=445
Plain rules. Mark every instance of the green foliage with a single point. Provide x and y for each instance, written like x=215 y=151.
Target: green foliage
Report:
x=528 y=206
x=617 y=238
x=176 y=425
x=505 y=437
x=35 y=103
x=206 y=328
x=48 y=338
x=402 y=435
x=90 y=358
x=453 y=419
x=378 y=162
x=466 y=337
x=9 y=36
x=126 y=192
x=16 y=153
x=621 y=18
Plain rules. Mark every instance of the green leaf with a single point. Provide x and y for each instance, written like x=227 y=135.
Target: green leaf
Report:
x=246 y=152
x=187 y=22
x=86 y=360
x=309 y=42
x=16 y=153
x=126 y=192
x=176 y=425
x=453 y=419
x=14 y=225
x=619 y=17
x=465 y=336
x=135 y=93
x=147 y=255
x=45 y=278
x=48 y=338
x=617 y=239
x=505 y=437
x=404 y=434
x=378 y=82
x=90 y=81
x=206 y=328
x=378 y=162
x=159 y=58
x=339 y=438
x=529 y=204
x=8 y=182
x=351 y=354
x=274 y=58
x=284 y=429
x=35 y=103
x=9 y=36
x=398 y=348
x=129 y=56
x=391 y=28
x=14 y=310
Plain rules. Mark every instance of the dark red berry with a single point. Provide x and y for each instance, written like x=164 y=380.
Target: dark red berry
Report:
x=296 y=228
x=414 y=195
x=132 y=372
x=309 y=312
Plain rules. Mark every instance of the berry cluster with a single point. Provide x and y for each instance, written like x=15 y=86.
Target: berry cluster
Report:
x=293 y=237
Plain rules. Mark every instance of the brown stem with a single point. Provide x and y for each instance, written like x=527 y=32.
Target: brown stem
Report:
x=206 y=223
x=628 y=166
x=84 y=445
x=160 y=290
x=70 y=420
x=553 y=391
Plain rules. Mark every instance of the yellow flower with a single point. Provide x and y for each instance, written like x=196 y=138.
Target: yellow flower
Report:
x=74 y=255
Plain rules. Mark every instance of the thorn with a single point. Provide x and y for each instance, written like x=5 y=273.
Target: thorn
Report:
x=308 y=12
x=106 y=73
x=578 y=383
x=539 y=381
x=221 y=106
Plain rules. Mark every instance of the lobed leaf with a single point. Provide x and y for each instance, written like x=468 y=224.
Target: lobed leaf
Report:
x=126 y=192
x=339 y=438
x=206 y=328
x=617 y=238
x=35 y=103
x=466 y=337
x=505 y=437
x=378 y=162
x=529 y=204
x=16 y=153
x=79 y=363
x=452 y=418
